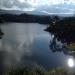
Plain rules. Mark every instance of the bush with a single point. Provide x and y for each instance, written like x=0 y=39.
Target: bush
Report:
x=37 y=70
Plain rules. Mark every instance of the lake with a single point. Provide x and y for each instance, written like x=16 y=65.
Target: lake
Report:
x=28 y=43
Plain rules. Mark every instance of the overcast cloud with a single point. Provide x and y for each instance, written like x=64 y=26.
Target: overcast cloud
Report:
x=44 y=6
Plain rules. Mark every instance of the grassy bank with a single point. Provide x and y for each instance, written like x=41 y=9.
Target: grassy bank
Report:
x=38 y=70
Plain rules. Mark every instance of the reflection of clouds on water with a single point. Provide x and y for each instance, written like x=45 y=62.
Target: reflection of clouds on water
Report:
x=23 y=45
x=16 y=42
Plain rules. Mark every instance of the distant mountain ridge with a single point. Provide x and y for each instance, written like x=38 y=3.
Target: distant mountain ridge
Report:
x=11 y=12
x=26 y=18
x=21 y=16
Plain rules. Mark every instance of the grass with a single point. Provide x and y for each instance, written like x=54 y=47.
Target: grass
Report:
x=38 y=70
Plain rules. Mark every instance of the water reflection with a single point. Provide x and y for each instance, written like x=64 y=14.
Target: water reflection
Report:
x=26 y=44
x=16 y=43
x=71 y=62
x=1 y=53
x=1 y=34
x=63 y=32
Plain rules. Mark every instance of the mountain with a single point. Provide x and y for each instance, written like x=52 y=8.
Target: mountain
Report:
x=48 y=11
x=11 y=12
x=26 y=18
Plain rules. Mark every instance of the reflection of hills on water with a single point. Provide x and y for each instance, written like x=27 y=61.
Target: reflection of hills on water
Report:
x=64 y=32
x=1 y=34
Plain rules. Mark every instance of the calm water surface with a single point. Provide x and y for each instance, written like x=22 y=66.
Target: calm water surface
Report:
x=28 y=43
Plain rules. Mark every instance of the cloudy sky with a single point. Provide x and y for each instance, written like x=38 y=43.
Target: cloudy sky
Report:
x=44 y=6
